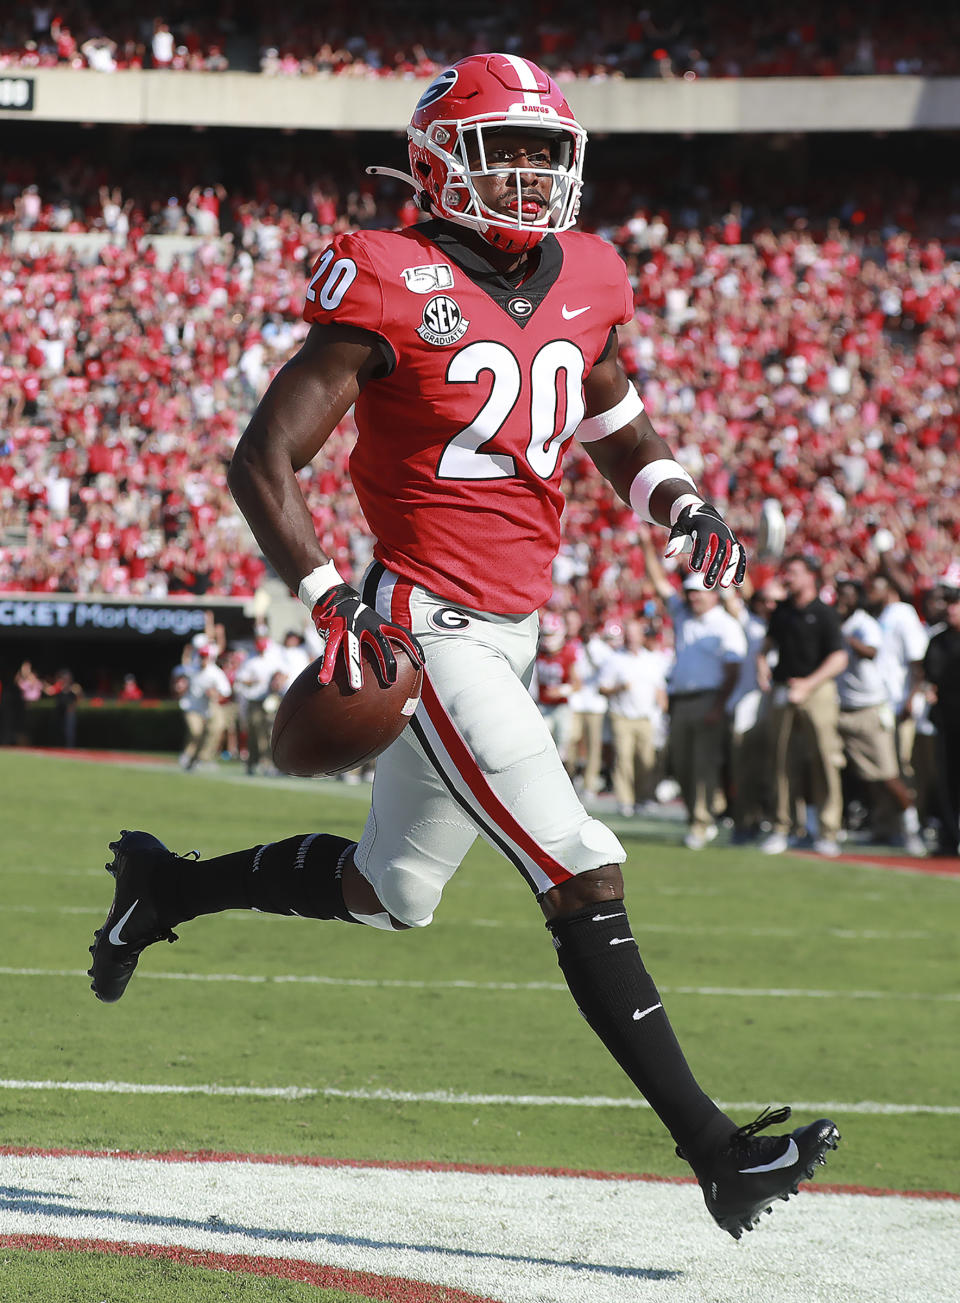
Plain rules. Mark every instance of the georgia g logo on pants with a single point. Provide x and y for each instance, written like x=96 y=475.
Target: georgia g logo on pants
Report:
x=448 y=618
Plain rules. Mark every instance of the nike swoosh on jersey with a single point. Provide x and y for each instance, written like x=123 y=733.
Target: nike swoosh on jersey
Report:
x=787 y=1159
x=568 y=314
x=113 y=936
x=638 y=1014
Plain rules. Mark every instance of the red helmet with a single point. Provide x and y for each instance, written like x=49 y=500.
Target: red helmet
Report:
x=449 y=139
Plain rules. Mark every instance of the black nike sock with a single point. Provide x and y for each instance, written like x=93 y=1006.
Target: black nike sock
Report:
x=599 y=959
x=299 y=875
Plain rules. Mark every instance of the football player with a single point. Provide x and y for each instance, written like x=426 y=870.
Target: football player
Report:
x=473 y=347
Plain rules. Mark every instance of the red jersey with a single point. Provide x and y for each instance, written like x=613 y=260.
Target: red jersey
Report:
x=457 y=466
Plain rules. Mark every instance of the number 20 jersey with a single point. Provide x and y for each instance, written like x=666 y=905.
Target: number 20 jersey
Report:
x=457 y=464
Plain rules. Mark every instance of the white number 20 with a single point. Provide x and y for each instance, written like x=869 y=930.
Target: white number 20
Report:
x=336 y=280
x=463 y=458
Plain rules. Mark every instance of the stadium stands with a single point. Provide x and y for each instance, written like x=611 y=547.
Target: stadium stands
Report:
x=812 y=360
x=685 y=39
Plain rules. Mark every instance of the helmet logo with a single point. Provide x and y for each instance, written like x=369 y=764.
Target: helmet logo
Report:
x=520 y=307
x=437 y=88
x=443 y=322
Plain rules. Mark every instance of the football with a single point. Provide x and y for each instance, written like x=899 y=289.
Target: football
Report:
x=328 y=730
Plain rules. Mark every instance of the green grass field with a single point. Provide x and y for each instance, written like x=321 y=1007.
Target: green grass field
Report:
x=789 y=980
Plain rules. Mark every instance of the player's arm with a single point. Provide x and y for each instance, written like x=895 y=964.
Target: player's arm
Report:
x=303 y=405
x=640 y=466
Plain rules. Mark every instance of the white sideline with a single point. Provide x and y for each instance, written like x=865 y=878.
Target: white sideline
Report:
x=456 y=1097
x=458 y=984
x=518 y=1238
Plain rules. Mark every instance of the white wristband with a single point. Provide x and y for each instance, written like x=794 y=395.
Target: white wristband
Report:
x=649 y=479
x=615 y=418
x=684 y=500
x=316 y=583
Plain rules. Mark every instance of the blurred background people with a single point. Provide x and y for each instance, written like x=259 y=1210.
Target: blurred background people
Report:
x=588 y=707
x=806 y=752
x=557 y=679
x=709 y=648
x=750 y=786
x=633 y=681
x=941 y=666
x=201 y=699
x=866 y=722
x=66 y=693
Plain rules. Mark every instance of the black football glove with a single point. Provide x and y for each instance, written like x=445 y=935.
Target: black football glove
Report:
x=343 y=620
x=714 y=548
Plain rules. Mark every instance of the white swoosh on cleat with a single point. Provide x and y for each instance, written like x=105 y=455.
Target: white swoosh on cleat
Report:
x=787 y=1159
x=113 y=936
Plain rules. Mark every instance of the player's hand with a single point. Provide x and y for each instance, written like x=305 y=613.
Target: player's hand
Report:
x=714 y=548
x=345 y=623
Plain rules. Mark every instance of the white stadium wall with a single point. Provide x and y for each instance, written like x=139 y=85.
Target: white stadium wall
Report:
x=240 y=99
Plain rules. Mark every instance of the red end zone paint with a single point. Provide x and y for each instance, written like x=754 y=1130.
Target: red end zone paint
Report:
x=482 y=1169
x=389 y=1289
x=941 y=866
x=101 y=757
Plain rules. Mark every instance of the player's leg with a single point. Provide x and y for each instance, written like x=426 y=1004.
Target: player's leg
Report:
x=486 y=739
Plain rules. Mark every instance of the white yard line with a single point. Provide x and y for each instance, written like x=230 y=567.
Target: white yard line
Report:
x=464 y=984
x=668 y=929
x=512 y=1237
x=455 y=1097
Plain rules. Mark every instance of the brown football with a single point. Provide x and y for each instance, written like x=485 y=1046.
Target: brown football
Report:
x=327 y=730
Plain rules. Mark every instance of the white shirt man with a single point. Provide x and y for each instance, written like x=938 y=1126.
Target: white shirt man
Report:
x=634 y=682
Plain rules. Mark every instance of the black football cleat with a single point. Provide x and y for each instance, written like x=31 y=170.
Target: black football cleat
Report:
x=135 y=921
x=750 y=1171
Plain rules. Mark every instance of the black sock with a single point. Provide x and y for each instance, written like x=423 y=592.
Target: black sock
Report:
x=599 y=959
x=299 y=875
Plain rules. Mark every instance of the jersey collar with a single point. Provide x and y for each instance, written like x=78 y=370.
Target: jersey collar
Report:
x=518 y=302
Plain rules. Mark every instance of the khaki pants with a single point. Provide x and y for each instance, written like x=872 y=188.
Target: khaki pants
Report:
x=634 y=758
x=696 y=756
x=212 y=743
x=588 y=729
x=259 y=728
x=196 y=725
x=204 y=733
x=807 y=758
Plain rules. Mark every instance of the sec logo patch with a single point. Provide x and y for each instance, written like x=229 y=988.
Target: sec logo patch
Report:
x=443 y=322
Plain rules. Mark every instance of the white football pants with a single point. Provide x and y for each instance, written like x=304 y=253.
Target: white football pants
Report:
x=477 y=758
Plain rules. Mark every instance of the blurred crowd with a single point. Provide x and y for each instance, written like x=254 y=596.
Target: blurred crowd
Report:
x=798 y=713
x=687 y=39
x=817 y=365
x=788 y=357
